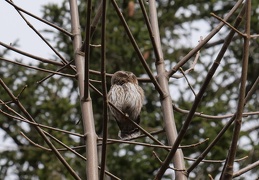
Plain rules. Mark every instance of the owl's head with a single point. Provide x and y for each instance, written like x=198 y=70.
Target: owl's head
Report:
x=121 y=77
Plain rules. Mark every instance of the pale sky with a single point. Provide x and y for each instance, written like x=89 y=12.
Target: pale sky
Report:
x=14 y=28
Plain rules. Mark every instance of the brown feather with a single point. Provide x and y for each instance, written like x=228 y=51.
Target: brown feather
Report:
x=127 y=96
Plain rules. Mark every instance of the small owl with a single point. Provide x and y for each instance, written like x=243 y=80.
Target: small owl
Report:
x=127 y=96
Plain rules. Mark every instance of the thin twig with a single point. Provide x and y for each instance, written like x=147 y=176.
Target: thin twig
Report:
x=176 y=76
x=31 y=55
x=161 y=162
x=151 y=33
x=37 y=68
x=227 y=172
x=210 y=176
x=181 y=69
x=215 y=161
x=66 y=148
x=58 y=70
x=104 y=90
x=112 y=141
x=39 y=130
x=20 y=93
x=34 y=123
x=245 y=169
x=195 y=144
x=202 y=115
x=225 y=22
x=254 y=36
x=200 y=45
x=33 y=143
x=42 y=38
x=93 y=25
x=87 y=49
x=40 y=19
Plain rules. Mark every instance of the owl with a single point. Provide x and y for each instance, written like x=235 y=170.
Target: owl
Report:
x=127 y=96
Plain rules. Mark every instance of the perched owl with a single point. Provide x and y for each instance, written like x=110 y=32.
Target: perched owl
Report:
x=127 y=96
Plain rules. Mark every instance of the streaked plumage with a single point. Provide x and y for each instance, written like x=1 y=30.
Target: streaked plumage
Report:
x=127 y=96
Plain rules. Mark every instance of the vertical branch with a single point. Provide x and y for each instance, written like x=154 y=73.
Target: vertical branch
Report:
x=94 y=23
x=228 y=168
x=87 y=48
x=190 y=115
x=166 y=102
x=151 y=34
x=220 y=55
x=104 y=88
x=136 y=48
x=86 y=104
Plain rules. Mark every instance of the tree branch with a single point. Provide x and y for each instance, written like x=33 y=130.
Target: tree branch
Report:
x=166 y=102
x=40 y=19
x=200 y=45
x=228 y=168
x=28 y=116
x=137 y=50
x=104 y=90
x=86 y=104
x=197 y=100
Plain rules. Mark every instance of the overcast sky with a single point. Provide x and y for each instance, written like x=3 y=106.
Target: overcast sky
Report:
x=14 y=28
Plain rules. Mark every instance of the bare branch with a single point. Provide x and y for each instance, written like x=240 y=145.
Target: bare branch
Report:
x=86 y=104
x=215 y=161
x=67 y=148
x=245 y=169
x=161 y=162
x=87 y=49
x=40 y=19
x=198 y=98
x=39 y=69
x=187 y=81
x=104 y=90
x=166 y=102
x=58 y=70
x=218 y=59
x=192 y=66
x=33 y=143
x=31 y=56
x=20 y=106
x=135 y=124
x=202 y=115
x=43 y=39
x=23 y=119
x=225 y=22
x=227 y=173
x=200 y=45
x=133 y=42
x=112 y=141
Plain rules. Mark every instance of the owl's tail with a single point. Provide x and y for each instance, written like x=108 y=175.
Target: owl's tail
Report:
x=129 y=134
